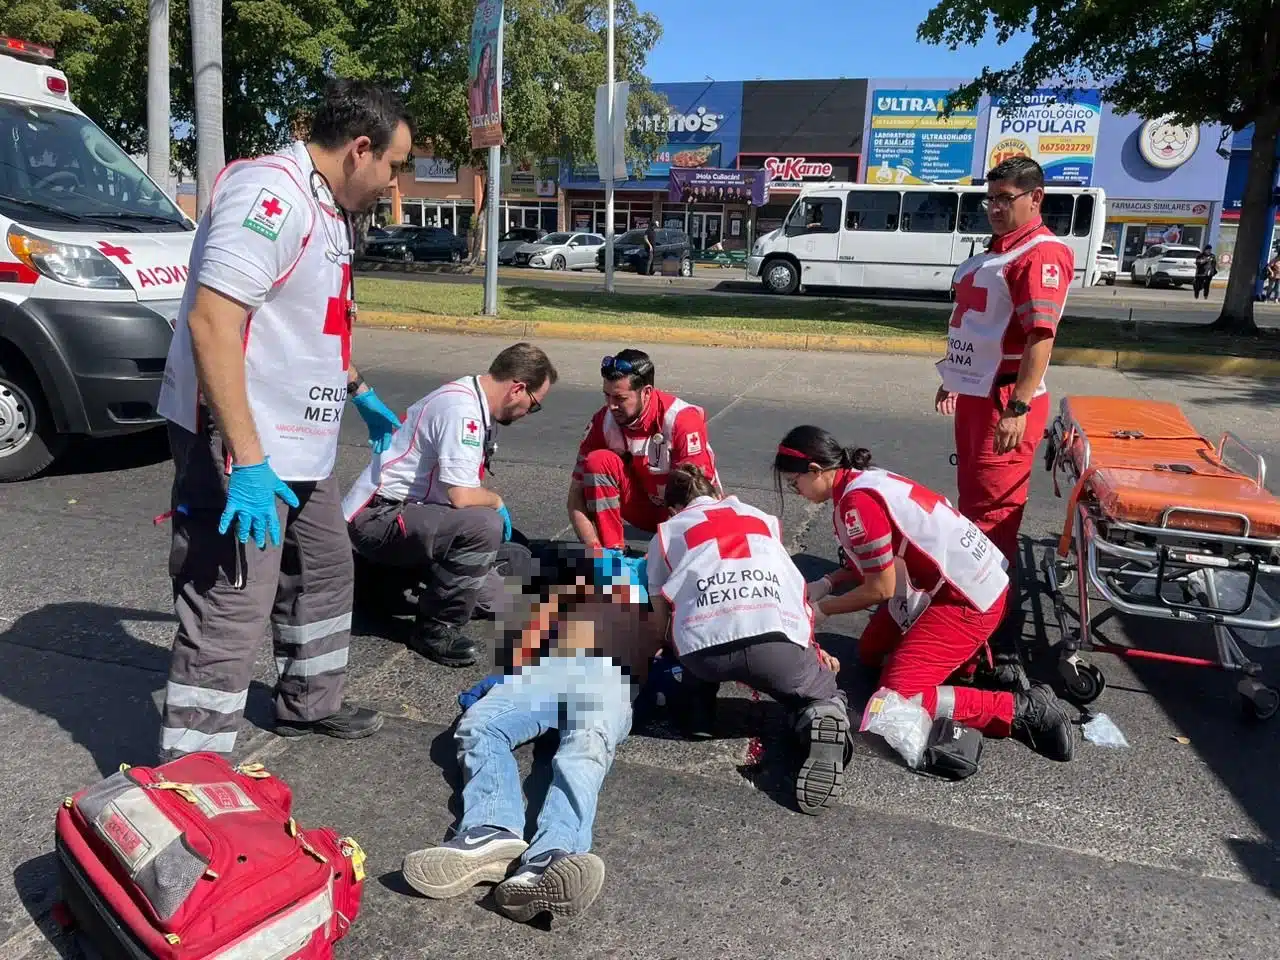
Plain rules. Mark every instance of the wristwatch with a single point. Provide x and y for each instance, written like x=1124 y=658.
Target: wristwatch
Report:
x=1017 y=408
x=353 y=386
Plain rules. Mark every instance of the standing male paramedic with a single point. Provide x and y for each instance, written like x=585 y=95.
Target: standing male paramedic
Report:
x=423 y=505
x=1008 y=304
x=630 y=446
x=258 y=374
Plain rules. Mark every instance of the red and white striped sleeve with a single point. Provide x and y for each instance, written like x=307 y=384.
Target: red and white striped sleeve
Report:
x=593 y=439
x=868 y=530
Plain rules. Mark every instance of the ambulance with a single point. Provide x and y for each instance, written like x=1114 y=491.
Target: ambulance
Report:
x=93 y=263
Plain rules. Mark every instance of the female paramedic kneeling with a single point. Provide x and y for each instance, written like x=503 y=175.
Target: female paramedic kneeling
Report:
x=940 y=584
x=737 y=606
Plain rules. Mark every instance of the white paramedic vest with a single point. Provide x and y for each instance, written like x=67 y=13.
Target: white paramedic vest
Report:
x=731 y=577
x=296 y=345
x=654 y=451
x=965 y=557
x=975 y=346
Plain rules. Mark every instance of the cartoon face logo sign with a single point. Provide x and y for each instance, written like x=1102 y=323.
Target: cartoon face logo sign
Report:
x=1165 y=145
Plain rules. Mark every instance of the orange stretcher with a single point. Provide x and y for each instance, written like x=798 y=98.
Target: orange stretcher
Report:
x=1157 y=517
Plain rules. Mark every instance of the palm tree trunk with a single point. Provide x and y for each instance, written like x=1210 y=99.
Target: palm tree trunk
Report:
x=206 y=60
x=1237 y=303
x=158 y=93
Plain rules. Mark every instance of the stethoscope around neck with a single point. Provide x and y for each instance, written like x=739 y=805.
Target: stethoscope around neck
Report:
x=339 y=244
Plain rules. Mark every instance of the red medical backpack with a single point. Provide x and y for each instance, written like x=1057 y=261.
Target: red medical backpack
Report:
x=197 y=860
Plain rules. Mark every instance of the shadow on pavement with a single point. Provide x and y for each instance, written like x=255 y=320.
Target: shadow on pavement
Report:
x=1218 y=391
x=37 y=884
x=112 y=454
x=77 y=664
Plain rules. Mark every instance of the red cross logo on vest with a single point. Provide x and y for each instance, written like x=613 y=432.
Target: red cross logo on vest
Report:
x=120 y=253
x=729 y=530
x=337 y=316
x=472 y=427
x=969 y=296
x=271 y=207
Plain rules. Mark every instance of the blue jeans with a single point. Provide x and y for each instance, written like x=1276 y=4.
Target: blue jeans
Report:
x=586 y=698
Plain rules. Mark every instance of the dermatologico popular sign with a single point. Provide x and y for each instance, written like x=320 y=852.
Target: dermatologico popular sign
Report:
x=1059 y=130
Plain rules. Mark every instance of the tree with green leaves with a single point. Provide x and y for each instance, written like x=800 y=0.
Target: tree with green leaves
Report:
x=1198 y=61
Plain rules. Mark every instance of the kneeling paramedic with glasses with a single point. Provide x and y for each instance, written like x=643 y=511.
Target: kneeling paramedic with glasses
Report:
x=718 y=571
x=939 y=584
x=630 y=446
x=422 y=503
x=576 y=666
x=254 y=388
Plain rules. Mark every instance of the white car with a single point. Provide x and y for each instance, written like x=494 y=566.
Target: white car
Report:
x=1169 y=263
x=561 y=251
x=1107 y=265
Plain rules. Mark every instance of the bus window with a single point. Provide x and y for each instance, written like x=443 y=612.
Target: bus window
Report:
x=1084 y=215
x=973 y=218
x=929 y=212
x=814 y=215
x=872 y=210
x=1056 y=213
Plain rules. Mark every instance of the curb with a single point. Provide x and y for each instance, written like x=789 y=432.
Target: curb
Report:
x=1125 y=360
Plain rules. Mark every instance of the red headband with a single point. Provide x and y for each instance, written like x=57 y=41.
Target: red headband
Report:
x=790 y=452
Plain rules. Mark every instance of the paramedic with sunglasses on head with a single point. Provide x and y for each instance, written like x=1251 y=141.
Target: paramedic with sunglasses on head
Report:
x=422 y=504
x=630 y=446
x=257 y=378
x=1008 y=303
x=939 y=585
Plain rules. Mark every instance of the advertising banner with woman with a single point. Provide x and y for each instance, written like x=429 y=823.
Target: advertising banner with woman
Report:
x=484 y=86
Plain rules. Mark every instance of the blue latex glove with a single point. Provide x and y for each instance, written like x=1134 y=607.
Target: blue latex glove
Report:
x=378 y=417
x=251 y=503
x=505 y=514
x=612 y=567
x=468 y=698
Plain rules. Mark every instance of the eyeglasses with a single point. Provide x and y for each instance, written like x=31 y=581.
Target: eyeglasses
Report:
x=1003 y=200
x=793 y=481
x=617 y=365
x=534 y=405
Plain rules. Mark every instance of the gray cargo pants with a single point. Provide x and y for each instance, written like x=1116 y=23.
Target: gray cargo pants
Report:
x=303 y=587
x=452 y=549
x=772 y=664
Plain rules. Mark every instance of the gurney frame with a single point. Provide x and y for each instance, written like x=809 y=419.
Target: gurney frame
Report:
x=1135 y=567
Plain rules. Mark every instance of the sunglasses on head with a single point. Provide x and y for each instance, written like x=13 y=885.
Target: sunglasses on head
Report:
x=617 y=365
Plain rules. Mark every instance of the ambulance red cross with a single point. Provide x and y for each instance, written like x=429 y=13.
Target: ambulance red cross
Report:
x=93 y=262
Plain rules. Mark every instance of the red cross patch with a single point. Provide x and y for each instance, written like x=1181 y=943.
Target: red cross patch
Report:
x=268 y=214
x=853 y=524
x=693 y=444
x=472 y=432
x=1050 y=276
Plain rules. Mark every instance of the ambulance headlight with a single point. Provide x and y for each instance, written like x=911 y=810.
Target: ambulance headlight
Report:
x=73 y=263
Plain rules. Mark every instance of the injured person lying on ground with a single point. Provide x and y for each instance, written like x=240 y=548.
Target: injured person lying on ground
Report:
x=574 y=667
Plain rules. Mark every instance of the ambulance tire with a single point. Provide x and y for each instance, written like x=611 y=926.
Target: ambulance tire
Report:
x=780 y=276
x=29 y=439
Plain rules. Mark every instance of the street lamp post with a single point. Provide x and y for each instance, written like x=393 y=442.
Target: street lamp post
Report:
x=608 y=183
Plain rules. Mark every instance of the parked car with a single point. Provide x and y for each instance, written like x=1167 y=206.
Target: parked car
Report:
x=514 y=239
x=630 y=252
x=409 y=243
x=1107 y=264
x=560 y=251
x=1169 y=263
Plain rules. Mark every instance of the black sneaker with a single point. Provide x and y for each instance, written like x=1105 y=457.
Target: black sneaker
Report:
x=822 y=772
x=557 y=882
x=349 y=723
x=445 y=645
x=1042 y=722
x=478 y=855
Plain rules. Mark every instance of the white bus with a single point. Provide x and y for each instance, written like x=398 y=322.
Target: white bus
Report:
x=906 y=237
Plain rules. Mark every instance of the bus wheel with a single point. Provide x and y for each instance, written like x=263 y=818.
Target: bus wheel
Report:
x=781 y=276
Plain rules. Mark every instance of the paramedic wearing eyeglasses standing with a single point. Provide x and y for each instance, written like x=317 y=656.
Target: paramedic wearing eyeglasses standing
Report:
x=423 y=505
x=257 y=377
x=629 y=448
x=1008 y=302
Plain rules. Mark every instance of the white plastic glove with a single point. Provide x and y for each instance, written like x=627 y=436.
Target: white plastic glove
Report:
x=818 y=616
x=815 y=590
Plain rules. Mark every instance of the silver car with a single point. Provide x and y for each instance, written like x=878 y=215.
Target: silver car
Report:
x=561 y=251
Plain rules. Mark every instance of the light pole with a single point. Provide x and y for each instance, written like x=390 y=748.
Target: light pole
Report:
x=608 y=184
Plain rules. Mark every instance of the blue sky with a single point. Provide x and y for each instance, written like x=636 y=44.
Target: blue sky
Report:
x=805 y=39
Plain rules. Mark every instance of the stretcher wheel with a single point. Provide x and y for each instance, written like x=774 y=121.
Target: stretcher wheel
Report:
x=1258 y=701
x=1083 y=681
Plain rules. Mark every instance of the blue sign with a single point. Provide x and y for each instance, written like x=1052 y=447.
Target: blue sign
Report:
x=703 y=129
x=911 y=143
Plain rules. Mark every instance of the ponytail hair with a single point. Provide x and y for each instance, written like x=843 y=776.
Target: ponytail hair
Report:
x=855 y=458
x=686 y=483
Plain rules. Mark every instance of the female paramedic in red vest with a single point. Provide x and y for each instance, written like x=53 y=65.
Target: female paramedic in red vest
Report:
x=940 y=586
x=718 y=571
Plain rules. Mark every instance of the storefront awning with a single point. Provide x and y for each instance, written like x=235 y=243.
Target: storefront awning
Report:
x=714 y=185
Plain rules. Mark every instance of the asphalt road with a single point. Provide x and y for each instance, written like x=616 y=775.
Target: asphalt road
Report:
x=1124 y=301
x=1164 y=849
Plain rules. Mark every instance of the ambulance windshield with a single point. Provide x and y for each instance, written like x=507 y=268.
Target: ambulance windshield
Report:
x=57 y=169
